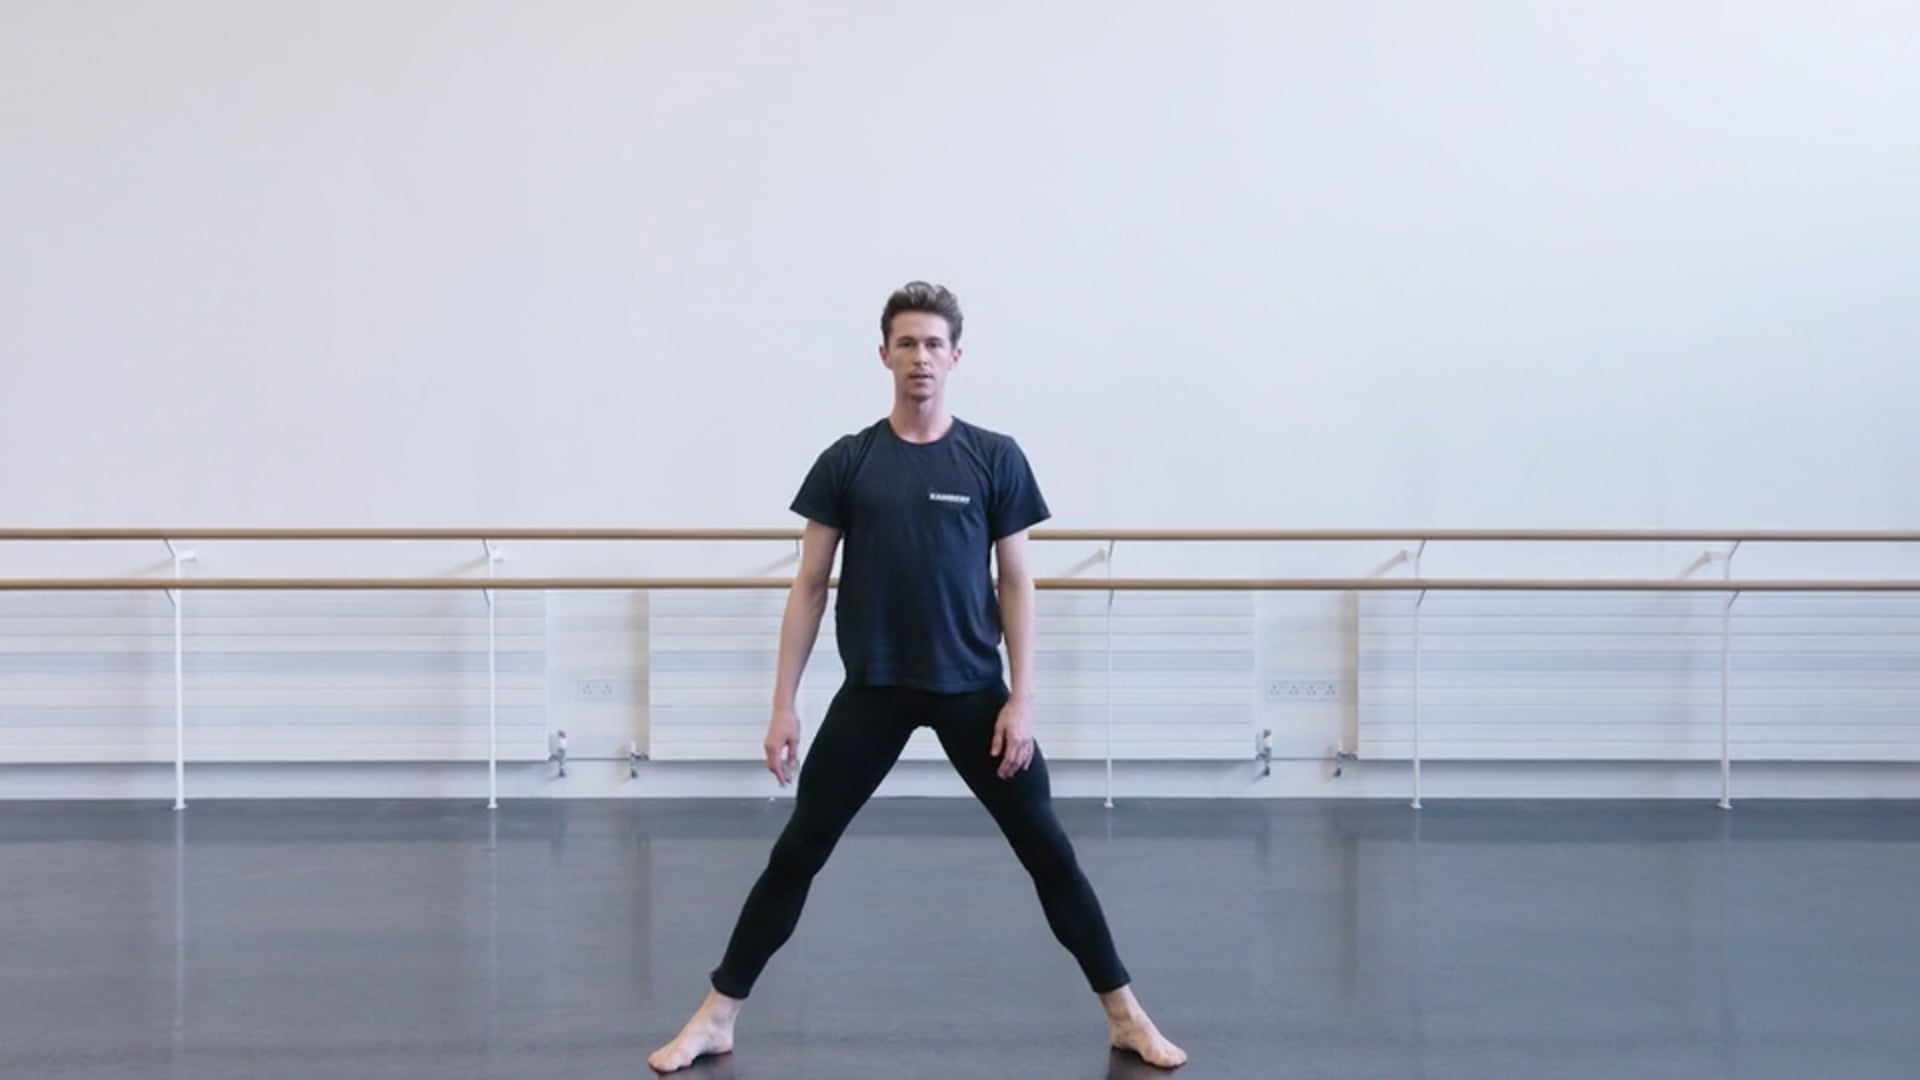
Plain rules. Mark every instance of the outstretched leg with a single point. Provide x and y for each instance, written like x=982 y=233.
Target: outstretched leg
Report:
x=1022 y=806
x=858 y=743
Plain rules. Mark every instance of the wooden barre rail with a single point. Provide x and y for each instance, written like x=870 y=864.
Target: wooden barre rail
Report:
x=1349 y=584
x=1097 y=535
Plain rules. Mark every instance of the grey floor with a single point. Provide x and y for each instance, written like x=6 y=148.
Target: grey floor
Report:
x=1482 y=940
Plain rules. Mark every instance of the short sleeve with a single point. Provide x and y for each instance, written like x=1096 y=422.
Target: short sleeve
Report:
x=819 y=498
x=1016 y=502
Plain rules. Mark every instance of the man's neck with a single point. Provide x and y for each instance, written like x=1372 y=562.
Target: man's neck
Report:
x=920 y=421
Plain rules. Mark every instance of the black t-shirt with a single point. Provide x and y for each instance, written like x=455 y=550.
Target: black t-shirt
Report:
x=918 y=521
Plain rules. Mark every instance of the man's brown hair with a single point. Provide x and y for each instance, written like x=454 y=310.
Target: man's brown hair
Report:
x=923 y=297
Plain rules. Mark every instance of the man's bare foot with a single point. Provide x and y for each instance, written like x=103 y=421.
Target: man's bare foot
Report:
x=1129 y=1028
x=708 y=1031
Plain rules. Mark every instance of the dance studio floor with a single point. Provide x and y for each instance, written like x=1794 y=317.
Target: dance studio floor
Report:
x=1484 y=940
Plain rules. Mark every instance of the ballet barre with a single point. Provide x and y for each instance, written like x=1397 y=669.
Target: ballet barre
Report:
x=1261 y=536
x=1052 y=584
x=1725 y=585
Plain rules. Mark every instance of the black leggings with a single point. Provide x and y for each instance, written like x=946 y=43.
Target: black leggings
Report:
x=861 y=738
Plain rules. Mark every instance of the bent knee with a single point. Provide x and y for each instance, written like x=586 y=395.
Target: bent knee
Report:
x=1048 y=854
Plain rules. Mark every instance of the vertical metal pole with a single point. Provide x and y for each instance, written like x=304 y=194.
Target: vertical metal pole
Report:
x=1726 y=684
x=1109 y=701
x=180 y=559
x=493 y=687
x=1419 y=601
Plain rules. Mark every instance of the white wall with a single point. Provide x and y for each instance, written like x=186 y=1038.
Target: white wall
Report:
x=1238 y=265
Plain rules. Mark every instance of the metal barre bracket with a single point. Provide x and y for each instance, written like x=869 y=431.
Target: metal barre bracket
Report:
x=1342 y=755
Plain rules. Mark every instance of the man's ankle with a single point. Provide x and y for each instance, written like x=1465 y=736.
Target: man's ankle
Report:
x=1120 y=1003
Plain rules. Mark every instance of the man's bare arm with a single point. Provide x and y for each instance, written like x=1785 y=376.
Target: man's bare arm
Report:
x=1013 y=740
x=1016 y=613
x=799 y=629
x=806 y=606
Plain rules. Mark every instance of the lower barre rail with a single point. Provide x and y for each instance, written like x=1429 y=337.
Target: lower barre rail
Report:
x=1184 y=584
x=1129 y=535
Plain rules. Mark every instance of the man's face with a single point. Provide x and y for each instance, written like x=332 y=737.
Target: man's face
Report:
x=919 y=354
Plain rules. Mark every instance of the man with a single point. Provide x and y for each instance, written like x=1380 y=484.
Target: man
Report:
x=924 y=503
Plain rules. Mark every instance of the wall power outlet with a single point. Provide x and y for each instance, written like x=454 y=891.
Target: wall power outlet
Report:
x=1315 y=691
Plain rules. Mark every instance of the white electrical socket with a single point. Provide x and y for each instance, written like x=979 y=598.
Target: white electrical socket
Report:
x=596 y=690
x=1303 y=691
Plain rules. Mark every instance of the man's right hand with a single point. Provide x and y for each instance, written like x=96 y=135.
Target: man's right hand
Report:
x=783 y=745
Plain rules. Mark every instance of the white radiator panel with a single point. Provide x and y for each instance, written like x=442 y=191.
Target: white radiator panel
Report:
x=1182 y=683
x=269 y=677
x=1578 y=676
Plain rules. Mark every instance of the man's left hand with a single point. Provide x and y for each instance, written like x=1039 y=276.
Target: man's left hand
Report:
x=1013 y=738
